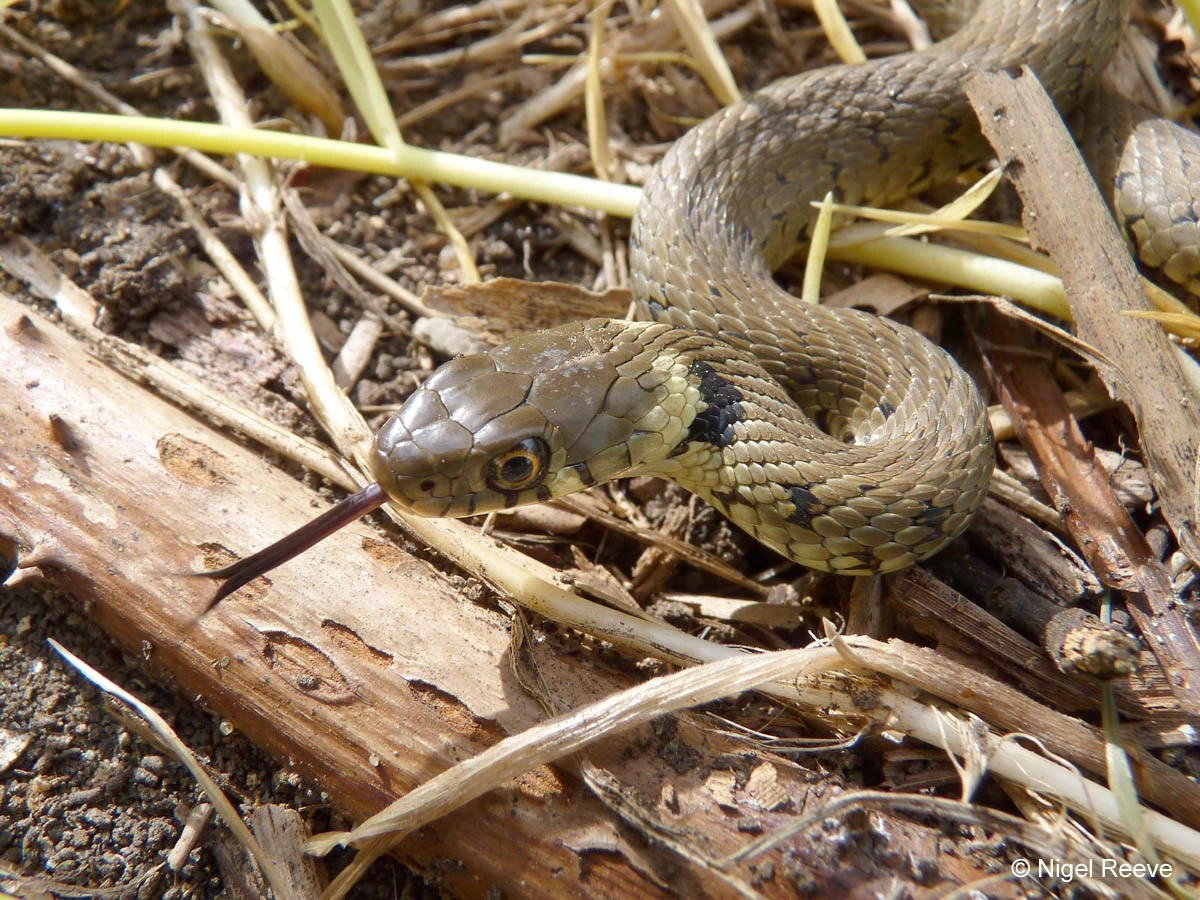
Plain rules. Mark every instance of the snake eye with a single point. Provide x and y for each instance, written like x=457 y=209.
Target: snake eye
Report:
x=520 y=466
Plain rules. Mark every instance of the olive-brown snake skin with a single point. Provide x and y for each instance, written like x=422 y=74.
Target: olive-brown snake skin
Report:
x=847 y=442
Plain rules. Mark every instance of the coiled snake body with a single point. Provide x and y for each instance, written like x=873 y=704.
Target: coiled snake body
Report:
x=847 y=442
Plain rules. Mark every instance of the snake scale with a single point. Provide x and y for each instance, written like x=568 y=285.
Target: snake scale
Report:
x=847 y=442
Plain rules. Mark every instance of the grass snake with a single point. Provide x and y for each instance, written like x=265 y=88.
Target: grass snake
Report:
x=847 y=442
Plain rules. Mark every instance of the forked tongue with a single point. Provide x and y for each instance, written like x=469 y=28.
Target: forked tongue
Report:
x=290 y=545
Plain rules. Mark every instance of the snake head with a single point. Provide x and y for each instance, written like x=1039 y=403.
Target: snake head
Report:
x=547 y=414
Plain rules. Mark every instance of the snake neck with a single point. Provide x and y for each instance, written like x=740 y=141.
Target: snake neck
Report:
x=802 y=488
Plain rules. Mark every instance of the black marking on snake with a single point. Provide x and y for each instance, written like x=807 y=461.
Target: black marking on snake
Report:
x=724 y=499
x=585 y=474
x=722 y=407
x=950 y=127
x=807 y=504
x=823 y=419
x=543 y=493
x=885 y=407
x=933 y=516
x=808 y=377
x=1129 y=180
x=923 y=174
x=681 y=448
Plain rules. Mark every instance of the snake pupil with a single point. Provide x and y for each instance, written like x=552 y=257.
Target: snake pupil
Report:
x=516 y=469
x=519 y=467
